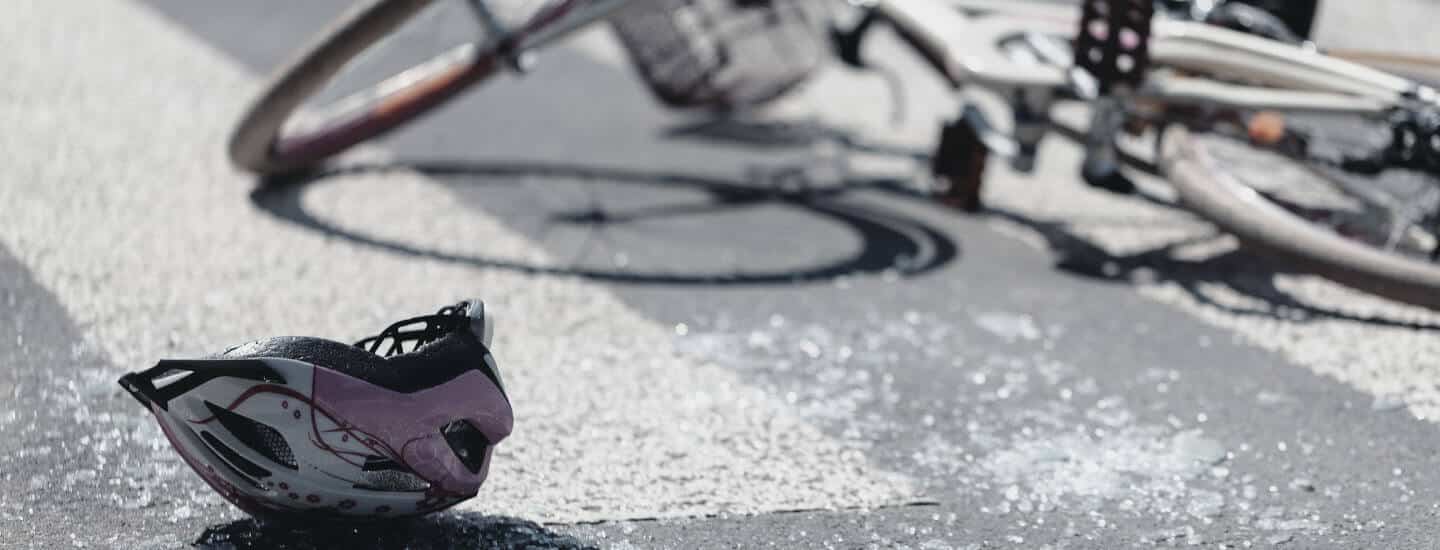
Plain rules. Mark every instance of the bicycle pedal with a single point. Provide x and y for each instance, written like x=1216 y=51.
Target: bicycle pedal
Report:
x=1113 y=42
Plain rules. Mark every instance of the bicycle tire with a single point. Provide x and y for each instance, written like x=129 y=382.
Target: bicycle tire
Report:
x=1208 y=189
x=256 y=143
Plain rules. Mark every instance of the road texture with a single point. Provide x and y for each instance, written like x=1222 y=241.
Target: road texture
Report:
x=711 y=363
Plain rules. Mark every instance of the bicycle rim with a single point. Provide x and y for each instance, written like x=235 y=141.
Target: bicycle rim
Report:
x=1374 y=233
x=376 y=69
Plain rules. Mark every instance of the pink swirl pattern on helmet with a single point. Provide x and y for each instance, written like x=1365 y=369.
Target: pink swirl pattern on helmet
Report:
x=409 y=423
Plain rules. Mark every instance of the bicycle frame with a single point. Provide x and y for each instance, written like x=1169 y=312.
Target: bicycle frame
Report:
x=1211 y=75
x=965 y=41
x=966 y=50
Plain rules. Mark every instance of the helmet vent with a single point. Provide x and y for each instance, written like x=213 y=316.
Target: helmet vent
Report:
x=263 y=439
x=169 y=377
x=233 y=458
x=467 y=442
x=392 y=480
x=383 y=474
x=379 y=464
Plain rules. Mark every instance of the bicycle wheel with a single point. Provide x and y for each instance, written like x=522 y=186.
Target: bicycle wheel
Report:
x=380 y=65
x=1375 y=233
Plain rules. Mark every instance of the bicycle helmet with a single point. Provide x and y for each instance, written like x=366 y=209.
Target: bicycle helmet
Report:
x=299 y=427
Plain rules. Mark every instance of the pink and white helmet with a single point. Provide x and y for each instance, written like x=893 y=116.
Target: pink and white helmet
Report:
x=298 y=427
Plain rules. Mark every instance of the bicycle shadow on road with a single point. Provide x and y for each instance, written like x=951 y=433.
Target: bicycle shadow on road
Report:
x=1250 y=275
x=888 y=241
x=436 y=531
x=767 y=135
x=1245 y=273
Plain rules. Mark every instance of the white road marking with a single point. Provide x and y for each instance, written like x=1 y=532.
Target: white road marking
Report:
x=1379 y=359
x=93 y=207
x=118 y=198
x=1384 y=358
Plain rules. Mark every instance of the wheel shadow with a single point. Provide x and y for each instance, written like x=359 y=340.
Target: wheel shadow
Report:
x=767 y=134
x=1237 y=269
x=889 y=241
x=1244 y=272
x=436 y=531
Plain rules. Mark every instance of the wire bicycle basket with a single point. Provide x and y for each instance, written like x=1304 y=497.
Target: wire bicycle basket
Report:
x=722 y=54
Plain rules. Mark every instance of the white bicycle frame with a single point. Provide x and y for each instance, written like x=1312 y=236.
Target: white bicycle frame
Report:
x=965 y=40
x=1288 y=78
x=1233 y=71
x=1236 y=72
x=967 y=50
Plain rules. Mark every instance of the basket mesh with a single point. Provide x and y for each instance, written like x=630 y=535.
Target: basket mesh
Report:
x=722 y=53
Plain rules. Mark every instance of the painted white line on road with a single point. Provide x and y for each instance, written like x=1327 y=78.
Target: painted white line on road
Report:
x=118 y=198
x=1365 y=342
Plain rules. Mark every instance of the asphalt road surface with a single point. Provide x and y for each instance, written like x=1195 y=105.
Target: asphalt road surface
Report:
x=697 y=360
